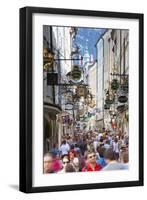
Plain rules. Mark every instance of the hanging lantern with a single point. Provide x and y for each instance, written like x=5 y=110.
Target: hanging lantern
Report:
x=122 y=94
x=109 y=101
x=88 y=99
x=113 y=123
x=122 y=99
x=76 y=73
x=48 y=57
x=81 y=91
x=107 y=106
x=114 y=84
x=63 y=120
x=81 y=112
x=127 y=115
x=92 y=104
x=75 y=98
x=125 y=85
x=121 y=107
x=110 y=112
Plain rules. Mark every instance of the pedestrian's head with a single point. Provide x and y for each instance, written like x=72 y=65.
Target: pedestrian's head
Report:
x=101 y=151
x=116 y=140
x=67 y=136
x=76 y=145
x=72 y=154
x=48 y=163
x=125 y=157
x=58 y=156
x=101 y=139
x=91 y=156
x=123 y=147
x=54 y=155
x=69 y=168
x=122 y=137
x=54 y=145
x=107 y=141
x=64 y=142
x=109 y=155
x=72 y=146
x=76 y=162
x=65 y=161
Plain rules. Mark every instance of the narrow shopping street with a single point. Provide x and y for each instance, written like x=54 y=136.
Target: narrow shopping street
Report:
x=85 y=94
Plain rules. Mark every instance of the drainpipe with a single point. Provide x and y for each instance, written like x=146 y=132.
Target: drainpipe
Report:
x=103 y=81
x=51 y=43
x=120 y=53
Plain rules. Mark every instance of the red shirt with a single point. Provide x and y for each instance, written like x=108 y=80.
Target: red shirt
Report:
x=88 y=168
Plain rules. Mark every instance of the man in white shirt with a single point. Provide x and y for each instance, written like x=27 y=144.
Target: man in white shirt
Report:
x=64 y=148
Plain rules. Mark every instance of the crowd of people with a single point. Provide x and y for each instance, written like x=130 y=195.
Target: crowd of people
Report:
x=87 y=152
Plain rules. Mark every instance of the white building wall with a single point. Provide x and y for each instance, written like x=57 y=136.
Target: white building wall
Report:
x=47 y=90
x=107 y=71
x=112 y=57
x=63 y=46
x=107 y=63
x=92 y=79
x=100 y=95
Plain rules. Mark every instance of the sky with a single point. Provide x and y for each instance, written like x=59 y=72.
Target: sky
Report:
x=88 y=37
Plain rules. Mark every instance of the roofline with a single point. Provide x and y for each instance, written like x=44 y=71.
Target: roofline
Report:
x=101 y=36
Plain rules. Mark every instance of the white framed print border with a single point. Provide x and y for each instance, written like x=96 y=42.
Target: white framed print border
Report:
x=32 y=20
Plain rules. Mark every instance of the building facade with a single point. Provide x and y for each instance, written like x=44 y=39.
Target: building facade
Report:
x=59 y=41
x=112 y=65
x=100 y=84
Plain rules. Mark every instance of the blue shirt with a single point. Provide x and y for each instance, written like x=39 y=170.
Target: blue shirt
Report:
x=101 y=161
